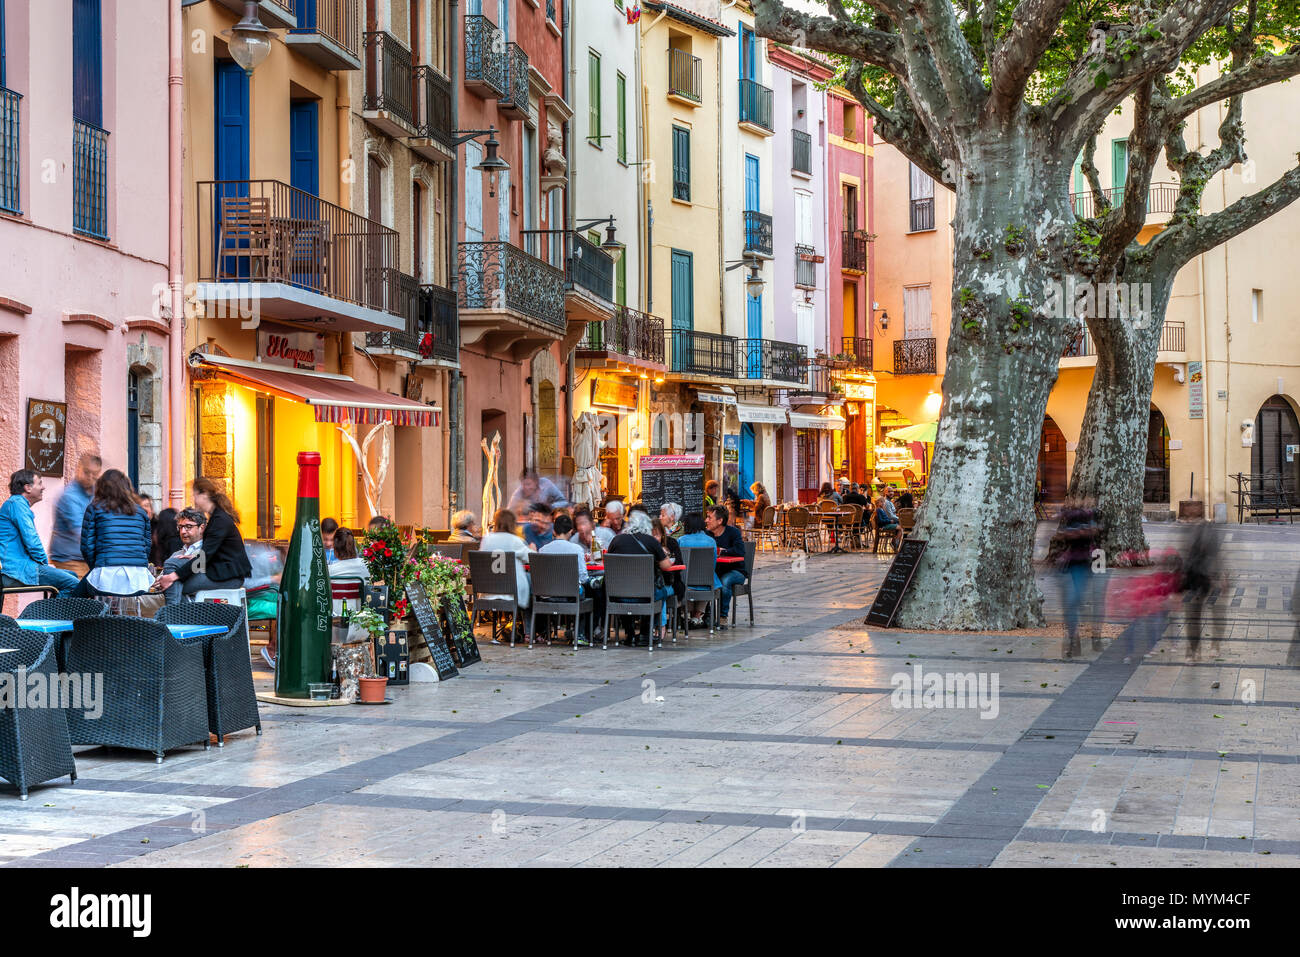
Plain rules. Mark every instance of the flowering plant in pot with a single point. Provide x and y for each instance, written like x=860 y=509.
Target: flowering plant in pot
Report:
x=385 y=557
x=372 y=686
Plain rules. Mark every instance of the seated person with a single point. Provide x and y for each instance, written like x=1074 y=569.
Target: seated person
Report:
x=712 y=492
x=328 y=527
x=730 y=545
x=670 y=516
x=636 y=539
x=505 y=538
x=538 y=530
x=22 y=556
x=697 y=537
x=675 y=580
x=377 y=523
x=464 y=528
x=906 y=500
x=346 y=562
x=116 y=536
x=759 y=502
x=190 y=524
x=584 y=531
x=886 y=517
x=565 y=542
x=613 y=524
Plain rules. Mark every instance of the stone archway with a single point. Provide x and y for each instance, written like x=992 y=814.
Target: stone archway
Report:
x=1155 y=482
x=1276 y=451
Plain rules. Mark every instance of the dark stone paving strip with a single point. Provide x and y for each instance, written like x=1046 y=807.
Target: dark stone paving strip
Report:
x=296 y=795
x=830 y=689
x=829 y=740
x=1246 y=757
x=1078 y=662
x=973 y=829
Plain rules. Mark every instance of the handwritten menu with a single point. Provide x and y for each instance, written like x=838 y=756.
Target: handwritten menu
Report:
x=431 y=629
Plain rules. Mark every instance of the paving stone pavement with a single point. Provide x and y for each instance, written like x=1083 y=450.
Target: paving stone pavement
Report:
x=771 y=746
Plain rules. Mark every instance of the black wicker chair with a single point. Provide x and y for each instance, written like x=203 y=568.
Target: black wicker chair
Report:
x=556 y=591
x=495 y=591
x=745 y=588
x=232 y=702
x=34 y=742
x=7 y=622
x=63 y=609
x=630 y=591
x=155 y=695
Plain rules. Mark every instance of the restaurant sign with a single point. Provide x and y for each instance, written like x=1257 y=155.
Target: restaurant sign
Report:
x=46 y=423
x=1195 y=390
x=280 y=346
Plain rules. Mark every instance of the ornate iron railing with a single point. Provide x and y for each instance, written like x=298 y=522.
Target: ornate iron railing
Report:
x=769 y=359
x=501 y=276
x=584 y=263
x=802 y=155
x=267 y=231
x=89 y=179
x=485 y=55
x=550 y=10
x=702 y=353
x=859 y=351
x=756 y=104
x=10 y=152
x=854 y=251
x=758 y=233
x=921 y=215
x=431 y=332
x=915 y=357
x=516 y=92
x=337 y=20
x=685 y=76
x=630 y=333
x=805 y=268
x=1160 y=199
x=433 y=106
x=389 y=86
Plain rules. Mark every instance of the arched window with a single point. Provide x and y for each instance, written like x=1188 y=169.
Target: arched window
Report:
x=1276 y=451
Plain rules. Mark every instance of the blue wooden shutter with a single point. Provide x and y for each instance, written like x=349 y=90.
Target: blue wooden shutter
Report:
x=87 y=63
x=681 y=164
x=753 y=193
x=304 y=169
x=306 y=11
x=747 y=58
x=2 y=42
x=230 y=148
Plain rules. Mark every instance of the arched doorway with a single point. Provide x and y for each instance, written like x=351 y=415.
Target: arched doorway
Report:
x=1155 y=484
x=1052 y=473
x=1276 y=451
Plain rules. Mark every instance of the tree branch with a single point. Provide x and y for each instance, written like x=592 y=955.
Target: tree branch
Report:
x=900 y=127
x=843 y=37
x=1257 y=73
x=952 y=56
x=1016 y=58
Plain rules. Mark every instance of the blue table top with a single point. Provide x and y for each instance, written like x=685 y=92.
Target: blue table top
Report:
x=178 y=631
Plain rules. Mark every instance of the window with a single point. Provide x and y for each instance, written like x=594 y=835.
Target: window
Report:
x=9 y=134
x=1118 y=165
x=922 y=203
x=87 y=63
x=1257 y=305
x=620 y=90
x=916 y=312
x=89 y=140
x=417 y=232
x=593 y=95
x=681 y=164
x=850 y=209
x=683 y=283
x=850 y=121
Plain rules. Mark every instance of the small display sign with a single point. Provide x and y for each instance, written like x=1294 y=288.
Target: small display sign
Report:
x=46 y=425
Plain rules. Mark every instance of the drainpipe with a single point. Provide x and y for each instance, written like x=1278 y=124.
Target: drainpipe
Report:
x=455 y=411
x=175 y=260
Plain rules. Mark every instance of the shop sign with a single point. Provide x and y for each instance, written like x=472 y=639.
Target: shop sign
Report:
x=46 y=422
x=612 y=393
x=1195 y=390
x=859 y=391
x=279 y=346
x=717 y=398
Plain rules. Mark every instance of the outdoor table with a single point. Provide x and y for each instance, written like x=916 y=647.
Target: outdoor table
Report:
x=595 y=568
x=50 y=627
x=730 y=560
x=833 y=519
x=677 y=568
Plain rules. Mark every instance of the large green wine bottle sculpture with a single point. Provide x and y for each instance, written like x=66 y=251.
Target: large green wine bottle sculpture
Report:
x=306 y=608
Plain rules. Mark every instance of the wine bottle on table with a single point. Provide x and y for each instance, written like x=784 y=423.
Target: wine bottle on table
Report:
x=306 y=608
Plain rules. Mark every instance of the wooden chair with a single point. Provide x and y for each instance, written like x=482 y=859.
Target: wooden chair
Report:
x=910 y=478
x=245 y=235
x=766 y=528
x=907 y=520
x=306 y=255
x=801 y=527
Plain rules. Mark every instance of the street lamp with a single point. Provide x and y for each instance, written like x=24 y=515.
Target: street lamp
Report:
x=249 y=41
x=492 y=163
x=612 y=247
x=754 y=283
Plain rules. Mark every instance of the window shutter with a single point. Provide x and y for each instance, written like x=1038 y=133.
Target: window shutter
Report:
x=87 y=63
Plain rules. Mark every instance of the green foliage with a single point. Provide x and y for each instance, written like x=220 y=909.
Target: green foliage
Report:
x=1014 y=237
x=1018 y=310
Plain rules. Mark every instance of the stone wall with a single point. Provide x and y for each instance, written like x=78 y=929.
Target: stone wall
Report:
x=217 y=458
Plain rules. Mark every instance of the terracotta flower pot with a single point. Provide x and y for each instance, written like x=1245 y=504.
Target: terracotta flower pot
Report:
x=373 y=689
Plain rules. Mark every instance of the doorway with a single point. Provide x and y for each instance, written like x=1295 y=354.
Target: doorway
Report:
x=1277 y=443
x=1052 y=473
x=746 y=459
x=1155 y=484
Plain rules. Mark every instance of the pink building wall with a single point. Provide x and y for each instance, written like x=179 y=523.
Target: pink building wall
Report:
x=842 y=161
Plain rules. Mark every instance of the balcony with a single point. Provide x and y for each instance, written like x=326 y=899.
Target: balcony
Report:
x=771 y=361
x=630 y=337
x=276 y=14
x=815 y=387
x=10 y=152
x=485 y=58
x=920 y=217
x=853 y=256
x=1160 y=200
x=805 y=267
x=858 y=354
x=801 y=160
x=702 y=354
x=433 y=139
x=588 y=270
x=515 y=99
x=915 y=357
x=89 y=180
x=431 y=330
x=511 y=302
x=1173 y=343
x=267 y=247
x=328 y=33
x=756 y=107
x=685 y=77
x=390 y=85
x=758 y=234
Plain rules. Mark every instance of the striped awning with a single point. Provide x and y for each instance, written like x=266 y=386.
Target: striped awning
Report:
x=333 y=398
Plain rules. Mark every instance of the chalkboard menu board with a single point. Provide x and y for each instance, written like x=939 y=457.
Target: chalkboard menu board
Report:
x=672 y=478
x=462 y=635
x=890 y=595
x=432 y=631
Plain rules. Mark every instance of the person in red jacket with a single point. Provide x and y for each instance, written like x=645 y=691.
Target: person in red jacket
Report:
x=1146 y=599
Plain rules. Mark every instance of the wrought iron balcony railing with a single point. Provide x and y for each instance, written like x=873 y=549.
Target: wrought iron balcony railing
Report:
x=389 y=86
x=702 y=353
x=516 y=76
x=630 y=333
x=1161 y=199
x=267 y=231
x=859 y=351
x=336 y=20
x=485 y=56
x=685 y=76
x=500 y=276
x=802 y=156
x=431 y=329
x=584 y=263
x=89 y=180
x=433 y=106
x=756 y=104
x=915 y=357
x=10 y=152
x=758 y=233
x=805 y=267
x=854 y=251
x=1173 y=338
x=769 y=359
x=921 y=215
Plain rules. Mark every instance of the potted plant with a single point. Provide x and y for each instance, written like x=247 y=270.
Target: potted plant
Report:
x=372 y=686
x=385 y=557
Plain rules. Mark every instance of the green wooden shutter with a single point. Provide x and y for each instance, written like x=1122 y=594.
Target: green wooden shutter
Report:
x=1118 y=164
x=621 y=92
x=681 y=164
x=620 y=281
x=683 y=291
x=593 y=94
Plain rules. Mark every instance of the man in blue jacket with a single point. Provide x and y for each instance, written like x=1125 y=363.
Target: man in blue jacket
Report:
x=69 y=510
x=22 y=556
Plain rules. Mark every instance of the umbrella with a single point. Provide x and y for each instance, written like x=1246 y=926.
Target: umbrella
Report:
x=925 y=432
x=586 y=465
